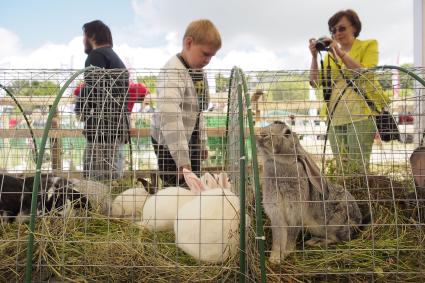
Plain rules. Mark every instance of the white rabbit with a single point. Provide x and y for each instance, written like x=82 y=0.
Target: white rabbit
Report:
x=98 y=194
x=129 y=204
x=207 y=227
x=209 y=181
x=161 y=209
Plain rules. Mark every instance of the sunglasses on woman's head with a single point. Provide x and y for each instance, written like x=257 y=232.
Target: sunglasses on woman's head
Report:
x=338 y=29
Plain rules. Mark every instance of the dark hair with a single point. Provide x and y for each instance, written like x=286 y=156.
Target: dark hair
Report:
x=351 y=16
x=99 y=31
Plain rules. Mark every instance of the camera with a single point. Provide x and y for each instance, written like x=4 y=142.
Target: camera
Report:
x=322 y=44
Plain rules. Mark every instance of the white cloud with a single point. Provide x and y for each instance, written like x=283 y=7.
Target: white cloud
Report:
x=48 y=56
x=71 y=55
x=266 y=35
x=9 y=43
x=247 y=60
x=281 y=27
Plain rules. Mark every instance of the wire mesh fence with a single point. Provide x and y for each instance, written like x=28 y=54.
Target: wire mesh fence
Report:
x=340 y=202
x=341 y=199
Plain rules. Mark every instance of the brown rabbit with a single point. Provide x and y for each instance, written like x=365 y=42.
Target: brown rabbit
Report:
x=297 y=196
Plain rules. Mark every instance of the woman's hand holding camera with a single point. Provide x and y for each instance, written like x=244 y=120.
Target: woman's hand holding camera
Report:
x=325 y=44
x=335 y=49
x=312 y=47
x=321 y=44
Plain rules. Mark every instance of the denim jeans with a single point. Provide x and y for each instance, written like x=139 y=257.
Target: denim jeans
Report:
x=167 y=166
x=103 y=161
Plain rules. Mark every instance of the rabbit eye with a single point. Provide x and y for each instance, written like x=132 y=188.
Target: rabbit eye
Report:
x=263 y=135
x=287 y=132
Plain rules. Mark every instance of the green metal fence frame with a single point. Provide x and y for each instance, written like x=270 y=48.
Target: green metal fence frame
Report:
x=30 y=246
x=260 y=237
x=25 y=118
x=238 y=79
x=236 y=75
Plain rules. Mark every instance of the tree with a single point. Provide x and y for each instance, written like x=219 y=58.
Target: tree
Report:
x=33 y=88
x=281 y=86
x=149 y=81
x=406 y=81
x=221 y=83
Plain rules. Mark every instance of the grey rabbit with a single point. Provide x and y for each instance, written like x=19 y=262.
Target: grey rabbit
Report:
x=297 y=196
x=416 y=199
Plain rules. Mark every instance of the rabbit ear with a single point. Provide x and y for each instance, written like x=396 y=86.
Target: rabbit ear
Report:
x=204 y=180
x=417 y=162
x=209 y=181
x=313 y=172
x=223 y=181
x=149 y=186
x=195 y=184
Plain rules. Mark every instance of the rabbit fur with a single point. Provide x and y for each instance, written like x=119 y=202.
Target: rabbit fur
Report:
x=297 y=196
x=416 y=199
x=160 y=209
x=98 y=194
x=129 y=204
x=207 y=227
x=54 y=194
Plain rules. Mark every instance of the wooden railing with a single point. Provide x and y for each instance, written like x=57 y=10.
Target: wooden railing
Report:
x=56 y=133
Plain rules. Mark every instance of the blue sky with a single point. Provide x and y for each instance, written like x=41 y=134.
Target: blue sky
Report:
x=59 y=21
x=257 y=35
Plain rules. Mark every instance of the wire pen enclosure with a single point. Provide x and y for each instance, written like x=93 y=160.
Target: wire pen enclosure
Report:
x=292 y=188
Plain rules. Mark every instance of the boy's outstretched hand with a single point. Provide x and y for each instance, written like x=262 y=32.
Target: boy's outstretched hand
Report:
x=181 y=175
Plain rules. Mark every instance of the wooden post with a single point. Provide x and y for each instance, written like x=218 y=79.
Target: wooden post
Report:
x=56 y=146
x=254 y=103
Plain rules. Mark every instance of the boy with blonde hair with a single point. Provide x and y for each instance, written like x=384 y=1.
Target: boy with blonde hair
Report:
x=182 y=94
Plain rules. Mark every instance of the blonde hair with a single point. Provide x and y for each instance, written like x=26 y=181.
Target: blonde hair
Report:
x=203 y=31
